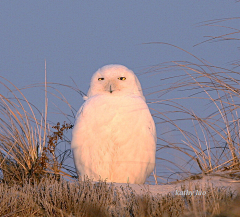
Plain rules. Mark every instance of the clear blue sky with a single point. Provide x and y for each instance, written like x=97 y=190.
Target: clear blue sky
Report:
x=78 y=37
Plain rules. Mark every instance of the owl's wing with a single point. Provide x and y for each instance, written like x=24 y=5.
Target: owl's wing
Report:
x=152 y=143
x=79 y=112
x=152 y=129
x=78 y=116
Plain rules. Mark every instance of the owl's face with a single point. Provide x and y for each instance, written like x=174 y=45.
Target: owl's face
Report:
x=115 y=80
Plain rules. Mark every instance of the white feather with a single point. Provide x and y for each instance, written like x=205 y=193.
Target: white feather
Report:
x=114 y=136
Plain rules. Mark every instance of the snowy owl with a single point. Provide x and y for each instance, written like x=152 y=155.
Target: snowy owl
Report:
x=114 y=136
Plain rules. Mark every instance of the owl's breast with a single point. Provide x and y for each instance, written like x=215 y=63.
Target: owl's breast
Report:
x=113 y=110
x=113 y=118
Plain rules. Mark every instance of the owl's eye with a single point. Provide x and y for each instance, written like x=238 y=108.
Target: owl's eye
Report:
x=122 y=78
x=100 y=79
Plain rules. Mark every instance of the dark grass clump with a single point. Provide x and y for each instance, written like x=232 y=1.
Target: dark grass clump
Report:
x=21 y=167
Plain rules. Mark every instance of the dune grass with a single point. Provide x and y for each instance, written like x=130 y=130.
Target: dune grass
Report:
x=58 y=197
x=27 y=144
x=210 y=142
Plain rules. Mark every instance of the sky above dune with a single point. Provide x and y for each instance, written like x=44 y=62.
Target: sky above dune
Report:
x=78 y=37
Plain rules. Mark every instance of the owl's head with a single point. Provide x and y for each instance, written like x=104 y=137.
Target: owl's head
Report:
x=115 y=80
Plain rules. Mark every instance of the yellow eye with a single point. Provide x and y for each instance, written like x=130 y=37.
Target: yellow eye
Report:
x=122 y=78
x=100 y=79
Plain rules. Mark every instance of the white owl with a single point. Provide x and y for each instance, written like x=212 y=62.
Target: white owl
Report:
x=114 y=137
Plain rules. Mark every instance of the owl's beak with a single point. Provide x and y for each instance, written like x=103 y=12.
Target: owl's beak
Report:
x=111 y=89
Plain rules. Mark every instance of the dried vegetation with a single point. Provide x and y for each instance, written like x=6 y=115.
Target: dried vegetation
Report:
x=54 y=197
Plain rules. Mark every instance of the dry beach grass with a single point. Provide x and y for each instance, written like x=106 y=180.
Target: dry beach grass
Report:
x=51 y=197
